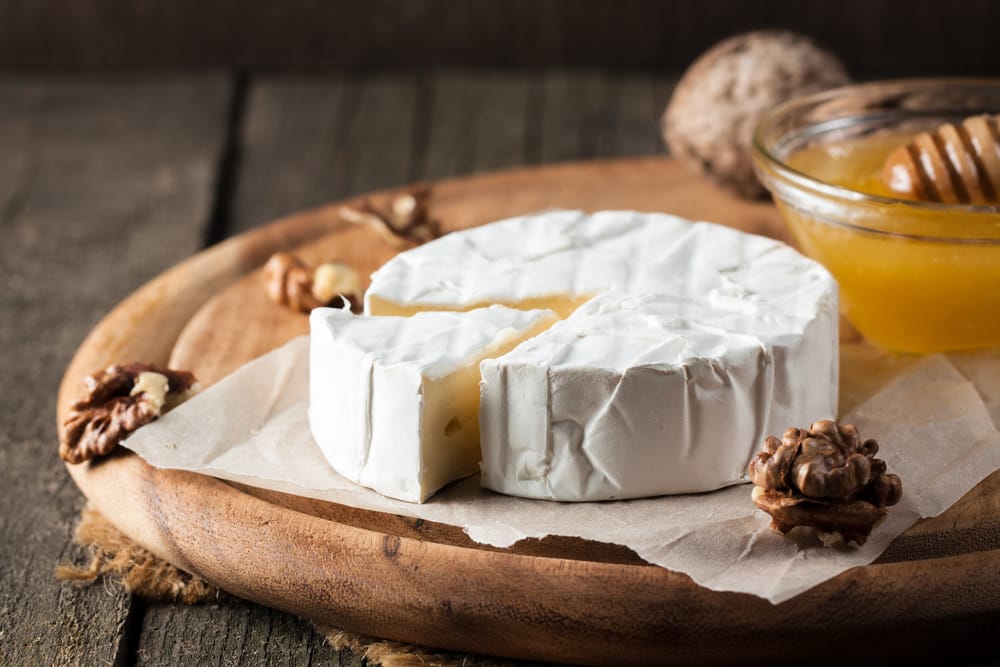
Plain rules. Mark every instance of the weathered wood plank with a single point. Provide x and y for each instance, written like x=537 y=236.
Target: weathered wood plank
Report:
x=493 y=120
x=306 y=140
x=232 y=633
x=104 y=182
x=477 y=122
x=577 y=110
x=287 y=155
x=639 y=101
x=601 y=114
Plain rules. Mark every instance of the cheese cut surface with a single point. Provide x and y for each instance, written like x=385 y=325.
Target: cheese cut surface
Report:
x=693 y=342
x=394 y=401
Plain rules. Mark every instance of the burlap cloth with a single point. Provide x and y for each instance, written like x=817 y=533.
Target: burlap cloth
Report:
x=116 y=558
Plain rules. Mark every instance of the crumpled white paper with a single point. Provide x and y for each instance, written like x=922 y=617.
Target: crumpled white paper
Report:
x=935 y=419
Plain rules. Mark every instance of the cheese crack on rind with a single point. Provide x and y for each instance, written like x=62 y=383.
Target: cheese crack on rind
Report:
x=693 y=343
x=394 y=402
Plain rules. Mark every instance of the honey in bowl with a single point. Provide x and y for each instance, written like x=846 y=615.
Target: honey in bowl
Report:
x=915 y=275
x=913 y=278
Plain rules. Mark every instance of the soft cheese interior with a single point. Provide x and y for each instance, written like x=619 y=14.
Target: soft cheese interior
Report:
x=692 y=343
x=394 y=401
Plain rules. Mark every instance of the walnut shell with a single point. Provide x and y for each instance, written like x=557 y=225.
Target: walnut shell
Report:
x=710 y=120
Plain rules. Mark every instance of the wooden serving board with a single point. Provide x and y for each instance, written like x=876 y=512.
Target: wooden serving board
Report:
x=558 y=599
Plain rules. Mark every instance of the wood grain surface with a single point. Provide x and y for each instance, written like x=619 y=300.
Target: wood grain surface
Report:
x=557 y=600
x=64 y=261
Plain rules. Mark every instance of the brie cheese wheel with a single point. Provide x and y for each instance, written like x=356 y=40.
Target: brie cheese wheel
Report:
x=394 y=401
x=683 y=345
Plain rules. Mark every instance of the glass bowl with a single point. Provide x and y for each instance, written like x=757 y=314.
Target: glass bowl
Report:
x=914 y=276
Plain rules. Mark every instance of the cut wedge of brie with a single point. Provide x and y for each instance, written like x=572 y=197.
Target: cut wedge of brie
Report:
x=394 y=401
x=683 y=344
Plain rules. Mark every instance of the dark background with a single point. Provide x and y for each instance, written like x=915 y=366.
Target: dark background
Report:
x=874 y=36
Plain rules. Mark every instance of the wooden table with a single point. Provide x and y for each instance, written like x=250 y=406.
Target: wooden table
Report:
x=107 y=180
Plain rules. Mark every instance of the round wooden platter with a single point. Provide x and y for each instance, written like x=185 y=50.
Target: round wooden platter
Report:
x=558 y=599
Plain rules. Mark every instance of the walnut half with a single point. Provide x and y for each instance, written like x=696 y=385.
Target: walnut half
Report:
x=119 y=400
x=825 y=477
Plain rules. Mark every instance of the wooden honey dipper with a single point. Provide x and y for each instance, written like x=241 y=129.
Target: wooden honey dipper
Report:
x=954 y=164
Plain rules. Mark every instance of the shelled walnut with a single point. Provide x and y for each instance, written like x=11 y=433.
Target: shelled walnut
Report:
x=119 y=400
x=825 y=477
x=407 y=220
x=291 y=283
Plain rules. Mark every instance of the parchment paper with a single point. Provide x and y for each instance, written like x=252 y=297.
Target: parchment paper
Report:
x=935 y=419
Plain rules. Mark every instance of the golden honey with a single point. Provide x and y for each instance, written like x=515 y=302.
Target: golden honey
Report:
x=913 y=278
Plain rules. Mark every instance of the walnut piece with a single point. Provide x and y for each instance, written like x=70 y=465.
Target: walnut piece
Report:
x=119 y=400
x=825 y=477
x=407 y=221
x=291 y=283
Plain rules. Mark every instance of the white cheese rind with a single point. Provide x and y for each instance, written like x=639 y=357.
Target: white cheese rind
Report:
x=382 y=391
x=702 y=340
x=557 y=253
x=643 y=396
